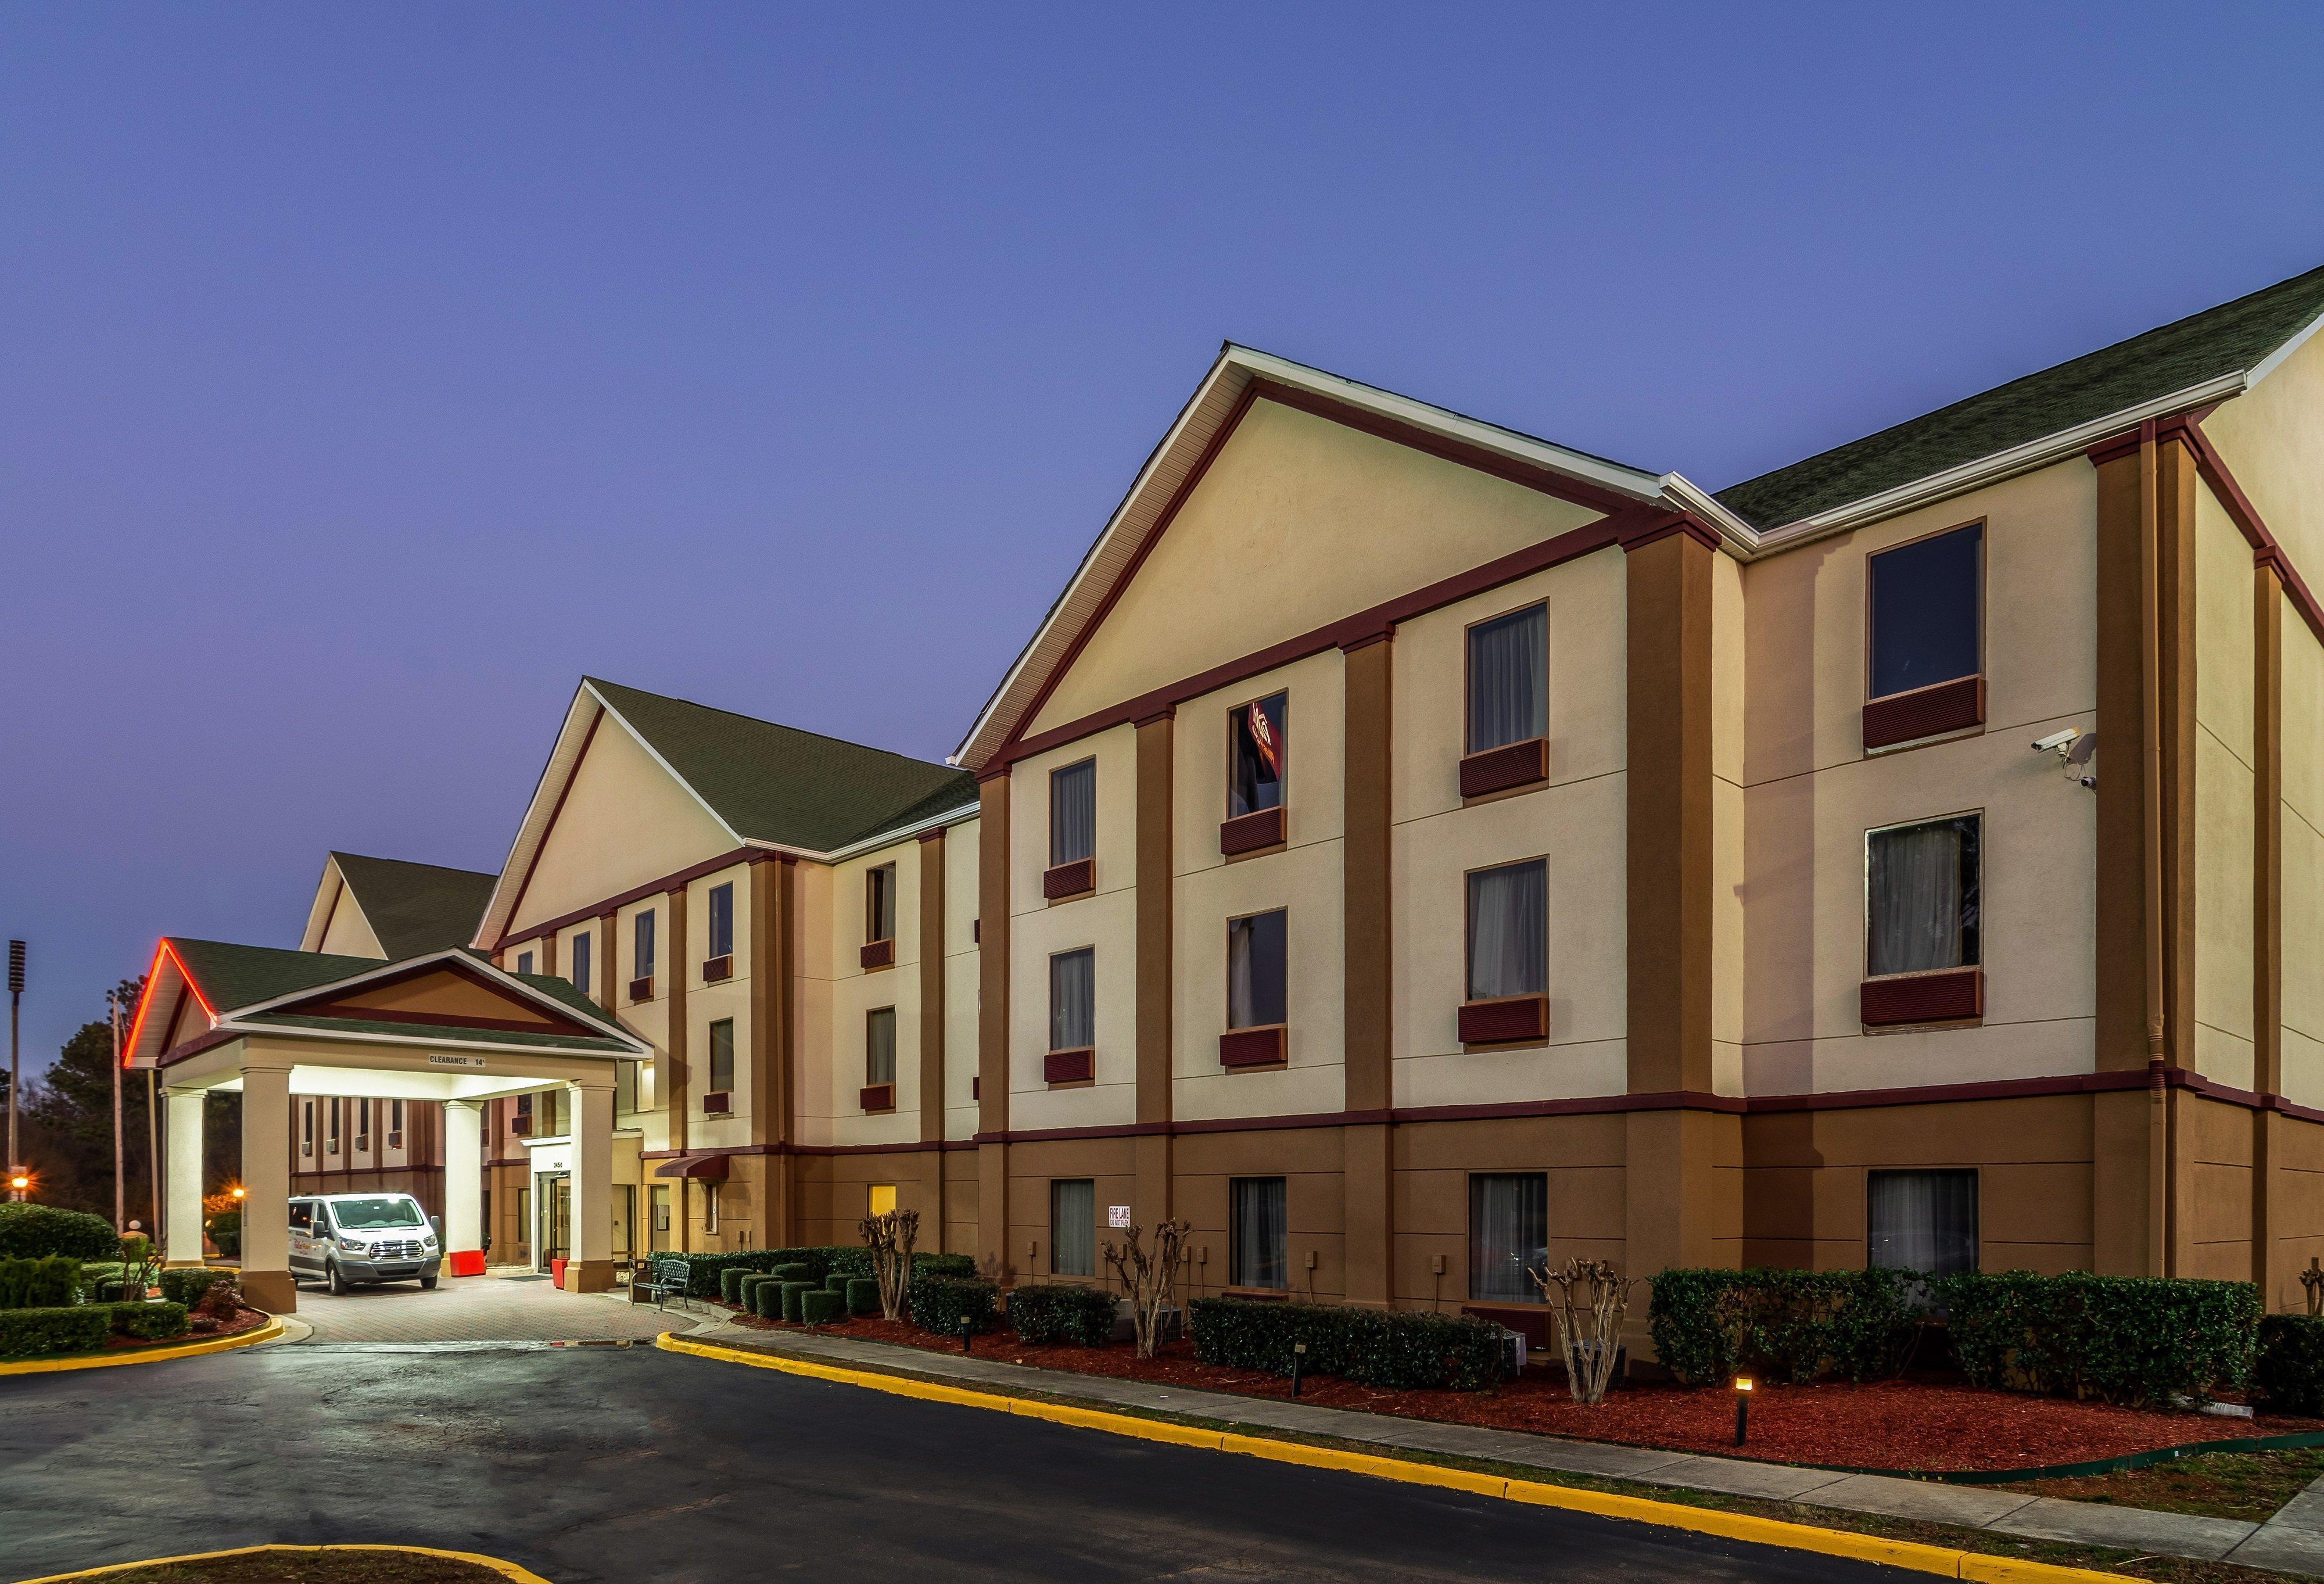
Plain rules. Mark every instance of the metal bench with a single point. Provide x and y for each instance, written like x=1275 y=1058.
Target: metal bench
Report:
x=666 y=1279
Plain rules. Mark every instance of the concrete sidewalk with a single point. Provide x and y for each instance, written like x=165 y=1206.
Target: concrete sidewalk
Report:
x=2292 y=1542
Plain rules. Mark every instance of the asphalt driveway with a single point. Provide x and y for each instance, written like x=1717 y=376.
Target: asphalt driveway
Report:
x=628 y=1464
x=479 y=1309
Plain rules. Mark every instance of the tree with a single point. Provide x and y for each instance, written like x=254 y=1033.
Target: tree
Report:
x=890 y=1235
x=1151 y=1278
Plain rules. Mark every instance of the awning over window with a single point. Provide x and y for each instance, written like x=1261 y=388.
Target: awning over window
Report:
x=710 y=1168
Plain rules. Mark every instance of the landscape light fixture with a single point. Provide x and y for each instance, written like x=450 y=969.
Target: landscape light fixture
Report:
x=1742 y=1406
x=1298 y=1356
x=967 y=1330
x=240 y=1192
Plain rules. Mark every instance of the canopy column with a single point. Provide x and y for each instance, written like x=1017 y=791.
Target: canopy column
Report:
x=591 y=1267
x=182 y=1239
x=266 y=1177
x=464 y=1188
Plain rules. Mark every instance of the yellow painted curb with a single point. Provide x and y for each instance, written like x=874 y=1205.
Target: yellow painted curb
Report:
x=505 y=1570
x=268 y=1332
x=1942 y=1561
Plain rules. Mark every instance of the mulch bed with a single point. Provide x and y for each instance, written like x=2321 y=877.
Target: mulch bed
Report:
x=244 y=1320
x=1907 y=1424
x=329 y=1567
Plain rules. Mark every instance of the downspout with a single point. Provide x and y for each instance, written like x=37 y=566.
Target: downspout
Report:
x=2149 y=593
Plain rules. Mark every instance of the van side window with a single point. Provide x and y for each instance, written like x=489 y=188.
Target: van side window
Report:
x=302 y=1218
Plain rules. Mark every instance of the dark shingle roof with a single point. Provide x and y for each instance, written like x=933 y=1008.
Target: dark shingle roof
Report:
x=2228 y=339
x=774 y=783
x=230 y=976
x=415 y=908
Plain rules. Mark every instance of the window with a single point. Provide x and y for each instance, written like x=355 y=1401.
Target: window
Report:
x=1508 y=1235
x=1255 y=1243
x=302 y=1216
x=581 y=963
x=1922 y=1220
x=1072 y=1227
x=722 y=1055
x=307 y=1126
x=1509 y=679
x=710 y=1207
x=1072 y=996
x=880 y=1046
x=363 y=1124
x=331 y=1139
x=642 y=946
x=882 y=1199
x=625 y=1086
x=660 y=1208
x=880 y=903
x=1926 y=618
x=1256 y=960
x=1508 y=931
x=722 y=920
x=1921 y=896
x=396 y=1116
x=1255 y=748
x=524 y=963
x=1073 y=812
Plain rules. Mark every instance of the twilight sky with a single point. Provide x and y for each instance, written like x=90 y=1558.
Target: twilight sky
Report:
x=367 y=374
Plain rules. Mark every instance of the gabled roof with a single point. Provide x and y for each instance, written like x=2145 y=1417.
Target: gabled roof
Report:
x=2207 y=356
x=411 y=907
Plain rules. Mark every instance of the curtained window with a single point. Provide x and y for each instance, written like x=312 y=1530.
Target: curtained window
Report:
x=307 y=1126
x=1509 y=679
x=1072 y=1227
x=1073 y=1000
x=722 y=1056
x=1922 y=1220
x=524 y=963
x=1921 y=896
x=331 y=1139
x=581 y=963
x=1926 y=600
x=880 y=903
x=880 y=1046
x=722 y=921
x=1254 y=1253
x=1508 y=931
x=1073 y=812
x=1508 y=1235
x=1255 y=744
x=642 y=946
x=1256 y=959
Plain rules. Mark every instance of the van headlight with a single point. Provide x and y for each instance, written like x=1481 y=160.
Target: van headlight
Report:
x=428 y=1243
x=354 y=1245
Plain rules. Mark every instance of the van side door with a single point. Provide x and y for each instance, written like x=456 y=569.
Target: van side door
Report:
x=305 y=1254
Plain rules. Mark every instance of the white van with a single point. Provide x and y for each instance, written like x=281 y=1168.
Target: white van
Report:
x=350 y=1239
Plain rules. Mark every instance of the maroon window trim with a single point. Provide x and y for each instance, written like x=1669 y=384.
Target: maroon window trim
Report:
x=1945 y=995
x=715 y=968
x=1069 y=1066
x=878 y=1097
x=879 y=953
x=1247 y=833
x=1252 y=1047
x=1504 y=1019
x=641 y=989
x=1070 y=879
x=1925 y=711
x=718 y=1103
x=1497 y=770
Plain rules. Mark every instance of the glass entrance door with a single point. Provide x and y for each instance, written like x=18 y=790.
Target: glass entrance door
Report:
x=556 y=1200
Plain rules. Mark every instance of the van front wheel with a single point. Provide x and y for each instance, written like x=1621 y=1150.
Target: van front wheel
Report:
x=427 y=1284
x=338 y=1282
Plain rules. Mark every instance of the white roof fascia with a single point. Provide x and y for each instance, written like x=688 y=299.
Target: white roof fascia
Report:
x=326 y=900
x=564 y=754
x=2274 y=359
x=900 y=833
x=653 y=753
x=639 y=1048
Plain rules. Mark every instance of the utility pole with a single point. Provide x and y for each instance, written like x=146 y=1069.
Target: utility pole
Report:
x=120 y=1185
x=15 y=1067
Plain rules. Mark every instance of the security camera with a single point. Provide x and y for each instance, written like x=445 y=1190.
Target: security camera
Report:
x=2056 y=741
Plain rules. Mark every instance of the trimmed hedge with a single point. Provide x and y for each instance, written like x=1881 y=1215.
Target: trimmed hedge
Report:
x=1711 y=1325
x=28 y=1232
x=793 y=1291
x=189 y=1284
x=705 y=1273
x=821 y=1306
x=41 y=1334
x=730 y=1283
x=799 y=1270
x=148 y=1322
x=945 y=1304
x=862 y=1296
x=1057 y=1313
x=752 y=1282
x=836 y=1282
x=2290 y=1374
x=1394 y=1350
x=766 y=1300
x=51 y=1282
x=2127 y=1340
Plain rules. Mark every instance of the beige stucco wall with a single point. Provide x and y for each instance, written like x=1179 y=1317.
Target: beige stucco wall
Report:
x=830 y=1110
x=1298 y=522
x=347 y=933
x=1730 y=853
x=1577 y=821
x=624 y=822
x=2303 y=860
x=707 y=1003
x=2272 y=440
x=962 y=987
x=1303 y=880
x=1810 y=794
x=2225 y=776
x=649 y=1018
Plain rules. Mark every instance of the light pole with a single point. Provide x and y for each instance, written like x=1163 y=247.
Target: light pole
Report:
x=120 y=1188
x=16 y=1175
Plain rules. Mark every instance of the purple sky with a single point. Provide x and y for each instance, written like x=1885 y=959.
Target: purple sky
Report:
x=369 y=373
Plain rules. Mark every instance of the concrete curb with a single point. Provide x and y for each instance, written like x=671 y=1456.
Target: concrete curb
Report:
x=1941 y=1560
x=271 y=1331
x=505 y=1570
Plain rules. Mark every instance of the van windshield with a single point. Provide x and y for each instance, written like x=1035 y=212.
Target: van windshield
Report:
x=364 y=1215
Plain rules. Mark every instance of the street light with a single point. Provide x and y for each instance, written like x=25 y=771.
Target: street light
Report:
x=18 y=1180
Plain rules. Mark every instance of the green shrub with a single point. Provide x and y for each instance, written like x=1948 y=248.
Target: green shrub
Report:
x=1048 y=1312
x=941 y=1304
x=957 y=1266
x=135 y=1248
x=189 y=1284
x=799 y=1271
x=792 y=1293
x=2289 y=1373
x=854 y=1261
x=704 y=1271
x=2127 y=1339
x=39 y=1333
x=94 y=1276
x=836 y=1282
x=821 y=1306
x=766 y=1299
x=862 y=1296
x=51 y=1282
x=148 y=1322
x=1794 y=1325
x=28 y=1232
x=1394 y=1350
x=746 y=1290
